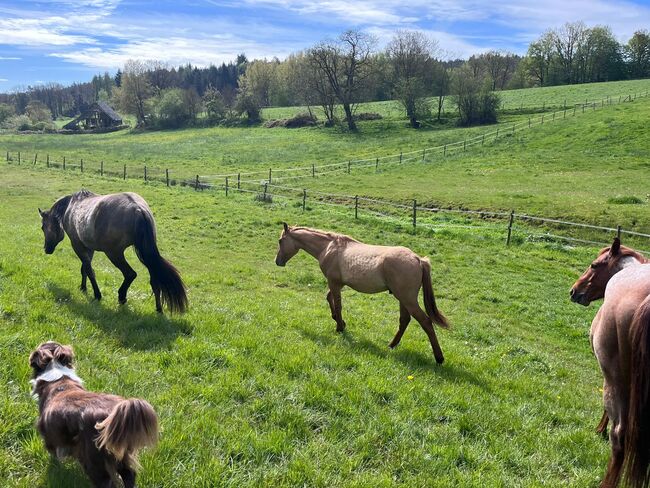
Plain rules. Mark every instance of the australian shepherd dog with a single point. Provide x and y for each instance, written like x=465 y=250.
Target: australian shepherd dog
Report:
x=103 y=432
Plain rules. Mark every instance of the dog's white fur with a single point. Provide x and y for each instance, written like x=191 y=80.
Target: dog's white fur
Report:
x=54 y=372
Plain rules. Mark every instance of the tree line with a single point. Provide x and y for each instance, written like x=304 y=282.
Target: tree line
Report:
x=336 y=75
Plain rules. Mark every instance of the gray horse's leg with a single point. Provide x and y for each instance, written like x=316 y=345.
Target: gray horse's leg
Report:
x=86 y=257
x=404 y=319
x=156 y=293
x=120 y=262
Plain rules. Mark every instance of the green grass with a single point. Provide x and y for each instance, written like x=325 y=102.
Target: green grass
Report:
x=254 y=387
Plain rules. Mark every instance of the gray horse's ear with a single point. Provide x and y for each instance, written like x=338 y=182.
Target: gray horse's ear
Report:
x=40 y=212
x=286 y=226
x=616 y=247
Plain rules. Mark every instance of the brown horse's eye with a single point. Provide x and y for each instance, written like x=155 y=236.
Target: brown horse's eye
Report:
x=595 y=265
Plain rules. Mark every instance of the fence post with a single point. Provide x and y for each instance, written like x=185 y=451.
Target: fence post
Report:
x=266 y=187
x=63 y=161
x=124 y=172
x=226 y=186
x=35 y=157
x=376 y=165
x=167 y=177
x=445 y=150
x=464 y=144
x=145 y=172
x=512 y=218
x=400 y=157
x=19 y=157
x=424 y=152
x=356 y=206
x=47 y=161
x=101 y=168
x=542 y=119
x=313 y=171
x=564 y=117
x=270 y=177
x=415 y=214
x=82 y=165
x=565 y=104
x=304 y=199
x=544 y=105
x=574 y=110
x=513 y=129
x=238 y=181
x=483 y=140
x=553 y=115
x=349 y=163
x=529 y=122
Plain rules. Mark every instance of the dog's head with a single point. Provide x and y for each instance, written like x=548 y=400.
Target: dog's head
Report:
x=46 y=353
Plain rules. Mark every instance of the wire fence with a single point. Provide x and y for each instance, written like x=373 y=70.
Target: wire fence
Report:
x=272 y=184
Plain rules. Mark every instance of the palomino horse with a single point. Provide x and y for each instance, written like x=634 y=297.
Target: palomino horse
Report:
x=368 y=269
x=111 y=223
x=620 y=339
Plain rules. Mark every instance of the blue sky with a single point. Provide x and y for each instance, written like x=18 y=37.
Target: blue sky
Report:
x=70 y=40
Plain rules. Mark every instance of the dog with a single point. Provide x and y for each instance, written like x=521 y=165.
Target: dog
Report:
x=103 y=432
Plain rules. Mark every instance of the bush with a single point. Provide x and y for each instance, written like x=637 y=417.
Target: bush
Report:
x=368 y=116
x=476 y=103
x=625 y=200
x=18 y=122
x=300 y=120
x=170 y=109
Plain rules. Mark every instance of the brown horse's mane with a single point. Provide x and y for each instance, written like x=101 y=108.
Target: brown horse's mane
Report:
x=325 y=233
x=626 y=251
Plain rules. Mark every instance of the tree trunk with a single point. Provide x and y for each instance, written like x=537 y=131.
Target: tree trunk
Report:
x=349 y=117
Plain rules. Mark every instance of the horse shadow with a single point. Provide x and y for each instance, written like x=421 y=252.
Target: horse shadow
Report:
x=132 y=330
x=64 y=475
x=414 y=360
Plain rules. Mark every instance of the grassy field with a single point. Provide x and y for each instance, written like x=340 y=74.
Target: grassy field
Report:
x=254 y=387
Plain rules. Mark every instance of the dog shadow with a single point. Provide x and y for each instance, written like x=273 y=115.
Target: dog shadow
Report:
x=132 y=330
x=414 y=360
x=65 y=475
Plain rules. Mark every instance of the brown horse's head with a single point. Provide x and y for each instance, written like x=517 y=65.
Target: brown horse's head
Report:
x=591 y=285
x=287 y=248
x=52 y=229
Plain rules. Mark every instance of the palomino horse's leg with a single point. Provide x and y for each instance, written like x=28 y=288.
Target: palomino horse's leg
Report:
x=404 y=319
x=427 y=326
x=120 y=262
x=334 y=299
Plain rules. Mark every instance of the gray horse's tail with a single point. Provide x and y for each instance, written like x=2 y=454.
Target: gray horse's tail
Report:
x=163 y=273
x=429 y=299
x=637 y=437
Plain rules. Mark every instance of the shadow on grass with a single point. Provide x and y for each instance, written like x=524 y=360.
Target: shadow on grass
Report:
x=131 y=329
x=65 y=475
x=413 y=360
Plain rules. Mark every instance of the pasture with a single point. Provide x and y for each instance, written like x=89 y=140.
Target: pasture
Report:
x=254 y=387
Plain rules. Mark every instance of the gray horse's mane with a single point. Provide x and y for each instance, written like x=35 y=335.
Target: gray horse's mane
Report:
x=60 y=206
x=331 y=235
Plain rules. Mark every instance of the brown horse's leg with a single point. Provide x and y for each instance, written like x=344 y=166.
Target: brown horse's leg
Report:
x=425 y=323
x=404 y=319
x=334 y=298
x=120 y=262
x=602 y=426
x=615 y=406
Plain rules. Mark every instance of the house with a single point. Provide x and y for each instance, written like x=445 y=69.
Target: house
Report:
x=98 y=117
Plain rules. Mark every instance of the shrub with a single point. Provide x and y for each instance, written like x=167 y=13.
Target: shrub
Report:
x=625 y=200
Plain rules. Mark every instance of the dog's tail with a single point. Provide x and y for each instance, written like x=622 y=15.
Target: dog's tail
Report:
x=131 y=425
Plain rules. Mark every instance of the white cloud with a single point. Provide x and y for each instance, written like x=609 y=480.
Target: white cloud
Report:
x=9 y=58
x=3 y=79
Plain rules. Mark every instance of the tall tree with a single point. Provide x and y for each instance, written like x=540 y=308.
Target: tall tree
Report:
x=637 y=53
x=134 y=90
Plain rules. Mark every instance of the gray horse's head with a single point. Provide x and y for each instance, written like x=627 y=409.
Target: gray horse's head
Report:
x=52 y=229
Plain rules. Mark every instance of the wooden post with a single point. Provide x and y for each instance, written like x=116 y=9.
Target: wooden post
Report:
x=483 y=140
x=565 y=104
x=35 y=158
x=266 y=187
x=513 y=129
x=349 y=163
x=18 y=157
x=124 y=172
x=376 y=165
x=400 y=157
x=542 y=119
x=512 y=218
x=304 y=199
x=529 y=122
x=313 y=171
x=424 y=152
x=356 y=206
x=226 y=186
x=145 y=172
x=464 y=144
x=583 y=109
x=270 y=177
x=544 y=105
x=415 y=214
x=81 y=165
x=101 y=168
x=167 y=177
x=47 y=161
x=574 y=110
x=196 y=183
x=444 y=152
x=63 y=161
x=238 y=181
x=553 y=115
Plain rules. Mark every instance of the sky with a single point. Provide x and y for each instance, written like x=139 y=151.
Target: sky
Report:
x=71 y=40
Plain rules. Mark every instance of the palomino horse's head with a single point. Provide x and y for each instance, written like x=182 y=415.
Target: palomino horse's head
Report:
x=591 y=285
x=52 y=229
x=287 y=248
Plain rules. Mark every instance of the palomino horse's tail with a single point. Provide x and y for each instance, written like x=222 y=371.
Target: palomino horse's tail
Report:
x=637 y=436
x=163 y=273
x=429 y=300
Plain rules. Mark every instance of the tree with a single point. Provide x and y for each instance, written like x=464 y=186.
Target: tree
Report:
x=411 y=57
x=441 y=82
x=259 y=76
x=6 y=111
x=169 y=108
x=539 y=57
x=346 y=65
x=135 y=89
x=215 y=104
x=499 y=67
x=248 y=101
x=637 y=53
x=476 y=103
x=38 y=112
x=567 y=41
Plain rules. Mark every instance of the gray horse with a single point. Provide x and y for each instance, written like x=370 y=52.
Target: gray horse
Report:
x=111 y=223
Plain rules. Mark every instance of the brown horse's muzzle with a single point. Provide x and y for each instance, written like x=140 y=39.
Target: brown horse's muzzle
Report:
x=578 y=297
x=279 y=262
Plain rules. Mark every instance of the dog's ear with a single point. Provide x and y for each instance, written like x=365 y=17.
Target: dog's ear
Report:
x=40 y=358
x=64 y=355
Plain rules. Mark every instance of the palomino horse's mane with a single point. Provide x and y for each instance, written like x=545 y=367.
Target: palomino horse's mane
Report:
x=625 y=252
x=60 y=206
x=328 y=234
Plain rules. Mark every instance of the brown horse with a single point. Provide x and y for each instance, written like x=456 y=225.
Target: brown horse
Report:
x=620 y=339
x=368 y=269
x=111 y=223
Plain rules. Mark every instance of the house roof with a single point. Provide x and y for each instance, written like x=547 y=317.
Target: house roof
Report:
x=108 y=111
x=103 y=107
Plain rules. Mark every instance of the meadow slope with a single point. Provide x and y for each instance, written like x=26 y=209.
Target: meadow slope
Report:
x=254 y=387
